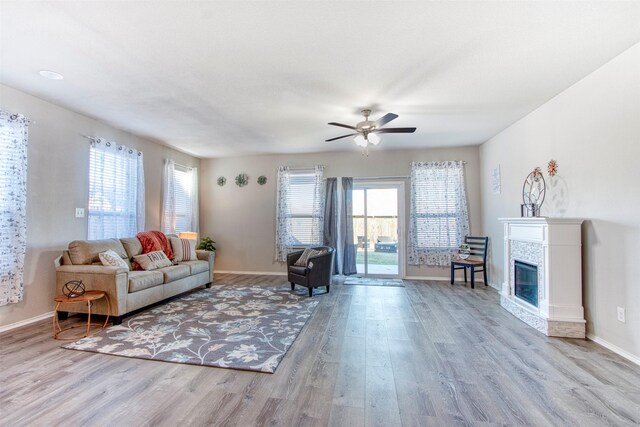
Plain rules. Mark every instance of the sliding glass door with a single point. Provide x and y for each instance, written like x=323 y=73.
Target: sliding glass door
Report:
x=377 y=225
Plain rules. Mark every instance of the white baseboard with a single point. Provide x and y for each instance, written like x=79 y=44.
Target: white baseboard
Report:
x=26 y=322
x=606 y=344
x=262 y=273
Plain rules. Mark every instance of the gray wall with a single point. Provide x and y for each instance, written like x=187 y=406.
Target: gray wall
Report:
x=57 y=183
x=242 y=220
x=593 y=130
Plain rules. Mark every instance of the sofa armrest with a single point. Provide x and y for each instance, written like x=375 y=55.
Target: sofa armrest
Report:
x=321 y=269
x=114 y=281
x=210 y=257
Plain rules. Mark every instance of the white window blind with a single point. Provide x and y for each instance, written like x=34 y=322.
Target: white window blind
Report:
x=116 y=191
x=304 y=208
x=300 y=209
x=439 y=219
x=184 y=193
x=180 y=194
x=13 y=205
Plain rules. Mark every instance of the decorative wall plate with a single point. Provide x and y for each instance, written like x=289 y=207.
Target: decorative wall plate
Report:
x=262 y=180
x=242 y=180
x=222 y=181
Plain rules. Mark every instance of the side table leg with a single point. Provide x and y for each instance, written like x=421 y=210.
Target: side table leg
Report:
x=108 y=311
x=88 y=318
x=56 y=323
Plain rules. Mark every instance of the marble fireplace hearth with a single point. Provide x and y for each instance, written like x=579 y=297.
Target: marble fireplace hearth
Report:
x=552 y=248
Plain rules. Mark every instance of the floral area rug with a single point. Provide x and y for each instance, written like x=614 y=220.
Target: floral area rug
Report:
x=249 y=328
x=370 y=281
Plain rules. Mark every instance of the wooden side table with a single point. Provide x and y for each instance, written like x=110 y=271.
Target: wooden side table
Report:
x=88 y=297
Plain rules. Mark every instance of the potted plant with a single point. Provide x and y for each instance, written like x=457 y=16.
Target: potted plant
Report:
x=206 y=244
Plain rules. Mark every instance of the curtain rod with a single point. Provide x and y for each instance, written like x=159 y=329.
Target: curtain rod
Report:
x=464 y=162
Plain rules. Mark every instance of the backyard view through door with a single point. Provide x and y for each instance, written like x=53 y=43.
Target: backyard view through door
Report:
x=375 y=228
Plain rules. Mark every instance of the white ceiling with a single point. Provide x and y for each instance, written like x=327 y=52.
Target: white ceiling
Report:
x=232 y=78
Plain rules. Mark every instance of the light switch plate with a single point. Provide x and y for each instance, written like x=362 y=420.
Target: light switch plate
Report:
x=621 y=314
x=79 y=212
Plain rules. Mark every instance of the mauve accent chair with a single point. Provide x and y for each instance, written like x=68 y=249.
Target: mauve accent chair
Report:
x=317 y=272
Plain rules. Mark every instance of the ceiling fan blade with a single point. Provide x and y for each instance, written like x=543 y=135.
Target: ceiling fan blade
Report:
x=342 y=125
x=340 y=137
x=395 y=130
x=385 y=119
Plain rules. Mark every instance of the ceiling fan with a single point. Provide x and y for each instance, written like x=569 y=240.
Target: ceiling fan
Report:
x=367 y=130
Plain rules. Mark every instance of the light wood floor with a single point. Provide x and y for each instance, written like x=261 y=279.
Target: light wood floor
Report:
x=427 y=354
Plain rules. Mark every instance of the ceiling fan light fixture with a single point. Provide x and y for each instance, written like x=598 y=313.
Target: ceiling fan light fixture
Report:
x=374 y=138
x=360 y=141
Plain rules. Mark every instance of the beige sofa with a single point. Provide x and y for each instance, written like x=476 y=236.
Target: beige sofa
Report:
x=128 y=290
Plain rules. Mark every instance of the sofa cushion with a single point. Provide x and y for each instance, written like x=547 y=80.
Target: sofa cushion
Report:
x=174 y=272
x=139 y=280
x=111 y=259
x=183 y=249
x=302 y=271
x=196 y=266
x=152 y=260
x=132 y=245
x=85 y=252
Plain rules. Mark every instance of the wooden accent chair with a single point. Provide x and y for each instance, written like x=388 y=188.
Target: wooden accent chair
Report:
x=477 y=261
x=317 y=271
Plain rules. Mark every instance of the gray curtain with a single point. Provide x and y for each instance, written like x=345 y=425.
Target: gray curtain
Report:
x=346 y=226
x=330 y=228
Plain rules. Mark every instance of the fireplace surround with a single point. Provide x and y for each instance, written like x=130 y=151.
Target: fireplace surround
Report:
x=543 y=274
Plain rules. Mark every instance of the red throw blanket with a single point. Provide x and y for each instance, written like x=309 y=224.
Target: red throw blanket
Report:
x=155 y=240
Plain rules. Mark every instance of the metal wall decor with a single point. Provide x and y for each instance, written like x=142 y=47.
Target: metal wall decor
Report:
x=222 y=181
x=73 y=288
x=262 y=180
x=242 y=180
x=533 y=192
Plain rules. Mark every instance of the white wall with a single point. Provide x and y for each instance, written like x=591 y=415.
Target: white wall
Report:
x=57 y=183
x=593 y=130
x=242 y=220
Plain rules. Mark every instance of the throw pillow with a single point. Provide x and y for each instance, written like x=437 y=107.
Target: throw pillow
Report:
x=155 y=240
x=304 y=258
x=183 y=249
x=111 y=259
x=152 y=260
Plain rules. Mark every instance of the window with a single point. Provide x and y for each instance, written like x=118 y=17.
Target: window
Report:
x=180 y=195
x=116 y=190
x=439 y=219
x=300 y=209
x=13 y=205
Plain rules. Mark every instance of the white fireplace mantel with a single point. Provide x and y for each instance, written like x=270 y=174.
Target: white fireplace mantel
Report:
x=553 y=245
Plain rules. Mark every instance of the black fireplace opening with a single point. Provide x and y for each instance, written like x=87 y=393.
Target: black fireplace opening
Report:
x=526 y=282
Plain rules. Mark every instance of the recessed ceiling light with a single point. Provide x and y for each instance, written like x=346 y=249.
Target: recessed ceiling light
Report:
x=52 y=75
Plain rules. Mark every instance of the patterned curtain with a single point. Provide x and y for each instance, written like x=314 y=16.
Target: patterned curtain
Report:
x=13 y=205
x=319 y=190
x=168 y=219
x=299 y=209
x=439 y=219
x=195 y=208
x=284 y=238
